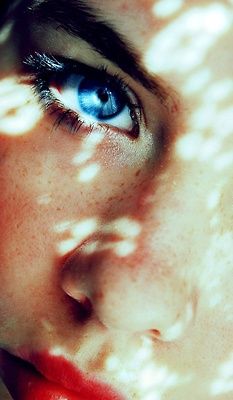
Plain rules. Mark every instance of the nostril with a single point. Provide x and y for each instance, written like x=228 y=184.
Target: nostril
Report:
x=154 y=334
x=82 y=308
x=85 y=308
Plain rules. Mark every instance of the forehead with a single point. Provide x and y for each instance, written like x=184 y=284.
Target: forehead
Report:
x=188 y=43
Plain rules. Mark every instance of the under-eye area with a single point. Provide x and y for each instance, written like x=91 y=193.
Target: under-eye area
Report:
x=80 y=96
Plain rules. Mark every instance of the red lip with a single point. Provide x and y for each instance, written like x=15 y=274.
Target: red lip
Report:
x=52 y=378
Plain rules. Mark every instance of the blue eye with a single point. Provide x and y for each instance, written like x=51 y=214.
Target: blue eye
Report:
x=84 y=96
x=96 y=100
x=102 y=101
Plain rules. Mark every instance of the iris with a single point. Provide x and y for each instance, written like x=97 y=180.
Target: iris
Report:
x=100 y=99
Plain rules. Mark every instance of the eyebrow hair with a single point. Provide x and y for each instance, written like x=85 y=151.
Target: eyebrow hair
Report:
x=80 y=20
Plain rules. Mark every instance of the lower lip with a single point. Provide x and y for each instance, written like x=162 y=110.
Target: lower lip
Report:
x=25 y=383
x=59 y=380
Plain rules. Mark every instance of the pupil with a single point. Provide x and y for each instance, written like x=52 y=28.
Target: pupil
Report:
x=103 y=95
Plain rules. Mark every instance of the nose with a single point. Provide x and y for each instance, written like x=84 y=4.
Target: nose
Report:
x=134 y=292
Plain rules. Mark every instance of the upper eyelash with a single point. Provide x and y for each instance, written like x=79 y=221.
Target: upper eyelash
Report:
x=42 y=65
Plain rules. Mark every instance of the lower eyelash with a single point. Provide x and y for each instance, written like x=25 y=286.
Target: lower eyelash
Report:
x=44 y=67
x=55 y=108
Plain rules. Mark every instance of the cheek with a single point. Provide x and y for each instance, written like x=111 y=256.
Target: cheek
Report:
x=50 y=180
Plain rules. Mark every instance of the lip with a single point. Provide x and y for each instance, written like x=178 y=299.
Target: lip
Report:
x=50 y=377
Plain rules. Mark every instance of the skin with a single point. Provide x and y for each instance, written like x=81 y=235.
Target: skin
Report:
x=162 y=301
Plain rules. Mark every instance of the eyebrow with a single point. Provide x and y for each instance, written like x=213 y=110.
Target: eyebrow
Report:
x=80 y=20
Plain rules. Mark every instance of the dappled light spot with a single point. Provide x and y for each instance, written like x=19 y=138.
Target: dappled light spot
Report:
x=197 y=81
x=203 y=116
x=126 y=227
x=195 y=145
x=166 y=8
x=63 y=226
x=124 y=248
x=81 y=229
x=95 y=138
x=78 y=232
x=91 y=248
x=58 y=351
x=215 y=221
x=44 y=199
x=188 y=39
x=217 y=262
x=218 y=91
x=47 y=326
x=66 y=246
x=222 y=125
x=140 y=371
x=82 y=157
x=88 y=148
x=176 y=330
x=19 y=110
x=121 y=248
x=88 y=173
x=187 y=147
x=224 y=381
x=213 y=199
x=223 y=161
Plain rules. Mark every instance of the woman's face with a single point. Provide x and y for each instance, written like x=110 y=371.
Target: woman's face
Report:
x=116 y=200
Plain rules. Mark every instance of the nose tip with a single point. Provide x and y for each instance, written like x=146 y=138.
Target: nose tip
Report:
x=133 y=312
x=122 y=299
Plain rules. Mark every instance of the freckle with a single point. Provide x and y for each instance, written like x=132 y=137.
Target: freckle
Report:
x=99 y=295
x=138 y=172
x=11 y=112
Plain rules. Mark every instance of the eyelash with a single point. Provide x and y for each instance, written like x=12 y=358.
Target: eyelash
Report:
x=45 y=69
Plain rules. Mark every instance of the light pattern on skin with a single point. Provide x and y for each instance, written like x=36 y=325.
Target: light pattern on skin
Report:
x=224 y=381
x=166 y=8
x=214 y=198
x=214 y=21
x=47 y=326
x=44 y=199
x=79 y=232
x=218 y=257
x=139 y=371
x=19 y=110
x=178 y=328
x=214 y=112
x=126 y=228
x=123 y=226
x=88 y=147
x=197 y=81
x=143 y=372
x=188 y=39
x=88 y=173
